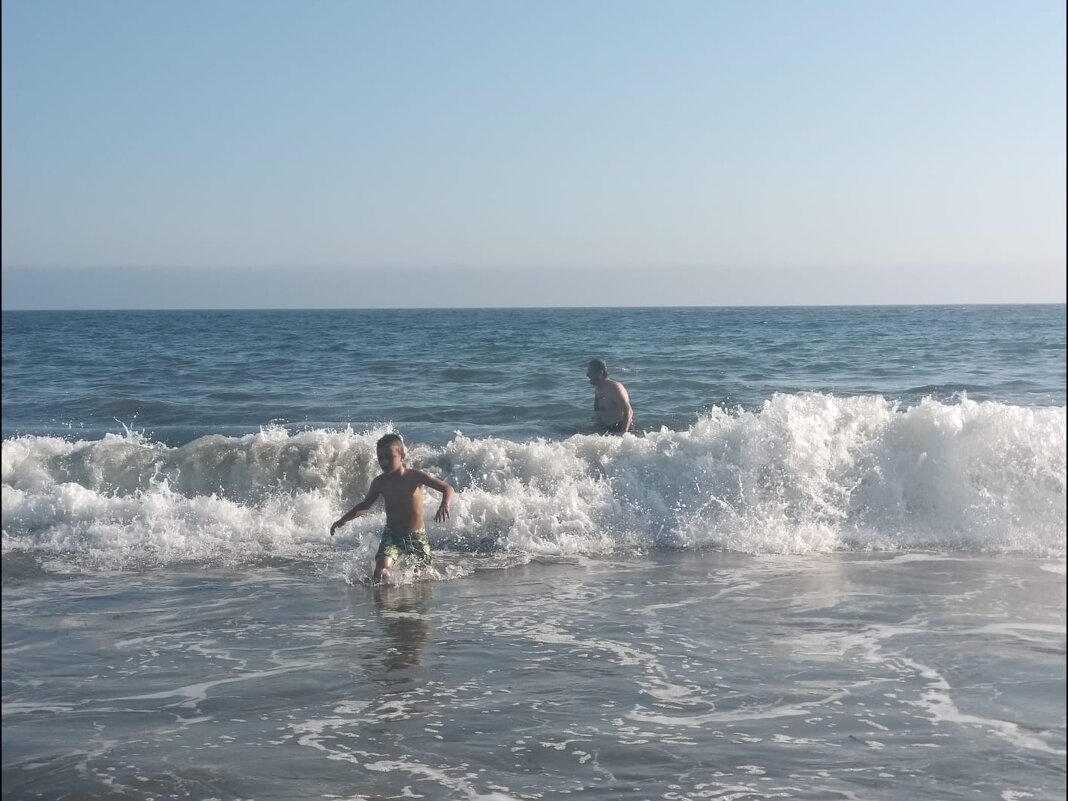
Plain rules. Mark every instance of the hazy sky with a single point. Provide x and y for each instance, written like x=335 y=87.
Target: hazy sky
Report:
x=498 y=152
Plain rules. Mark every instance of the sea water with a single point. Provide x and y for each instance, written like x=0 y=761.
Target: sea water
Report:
x=828 y=564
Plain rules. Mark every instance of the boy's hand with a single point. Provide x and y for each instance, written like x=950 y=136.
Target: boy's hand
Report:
x=442 y=515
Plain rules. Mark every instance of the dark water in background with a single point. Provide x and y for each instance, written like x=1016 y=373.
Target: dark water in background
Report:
x=502 y=372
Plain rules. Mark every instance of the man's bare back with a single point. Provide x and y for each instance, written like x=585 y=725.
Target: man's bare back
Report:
x=611 y=404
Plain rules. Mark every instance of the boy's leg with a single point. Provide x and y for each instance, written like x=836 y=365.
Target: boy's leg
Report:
x=383 y=564
x=387 y=555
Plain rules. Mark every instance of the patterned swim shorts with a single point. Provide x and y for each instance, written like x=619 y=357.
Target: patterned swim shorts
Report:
x=396 y=545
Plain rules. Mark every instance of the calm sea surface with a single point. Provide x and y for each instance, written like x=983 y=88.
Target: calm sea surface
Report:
x=829 y=564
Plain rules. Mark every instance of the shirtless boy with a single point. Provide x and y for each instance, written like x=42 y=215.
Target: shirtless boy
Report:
x=611 y=403
x=402 y=489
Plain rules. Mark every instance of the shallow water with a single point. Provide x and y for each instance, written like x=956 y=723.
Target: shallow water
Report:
x=849 y=676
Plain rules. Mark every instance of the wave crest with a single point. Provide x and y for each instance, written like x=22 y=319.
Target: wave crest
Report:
x=807 y=472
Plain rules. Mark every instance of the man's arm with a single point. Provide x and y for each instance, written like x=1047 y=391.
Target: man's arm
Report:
x=359 y=509
x=444 y=488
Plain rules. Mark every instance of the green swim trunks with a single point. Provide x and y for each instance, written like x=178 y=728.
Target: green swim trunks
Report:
x=395 y=545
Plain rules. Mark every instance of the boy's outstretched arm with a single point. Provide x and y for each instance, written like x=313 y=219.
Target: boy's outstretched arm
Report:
x=446 y=491
x=359 y=509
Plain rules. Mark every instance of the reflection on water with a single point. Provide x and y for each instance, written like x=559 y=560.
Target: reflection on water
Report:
x=403 y=611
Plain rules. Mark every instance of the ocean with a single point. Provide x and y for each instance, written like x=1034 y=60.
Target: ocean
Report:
x=829 y=562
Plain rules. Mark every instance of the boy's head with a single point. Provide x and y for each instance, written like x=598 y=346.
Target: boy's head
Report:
x=391 y=452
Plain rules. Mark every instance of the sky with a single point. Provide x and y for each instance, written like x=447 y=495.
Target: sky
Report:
x=356 y=153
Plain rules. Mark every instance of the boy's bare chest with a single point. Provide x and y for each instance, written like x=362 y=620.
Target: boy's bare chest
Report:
x=401 y=488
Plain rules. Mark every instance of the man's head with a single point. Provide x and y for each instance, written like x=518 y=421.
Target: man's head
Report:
x=596 y=371
x=391 y=452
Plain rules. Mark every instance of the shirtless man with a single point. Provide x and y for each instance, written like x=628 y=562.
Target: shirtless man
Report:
x=611 y=403
x=402 y=489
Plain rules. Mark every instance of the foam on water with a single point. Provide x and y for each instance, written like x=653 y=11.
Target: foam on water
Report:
x=805 y=473
x=684 y=676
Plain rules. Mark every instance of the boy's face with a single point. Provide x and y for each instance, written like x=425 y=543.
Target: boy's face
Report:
x=391 y=457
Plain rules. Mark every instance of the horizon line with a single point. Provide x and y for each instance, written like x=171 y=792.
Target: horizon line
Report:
x=932 y=304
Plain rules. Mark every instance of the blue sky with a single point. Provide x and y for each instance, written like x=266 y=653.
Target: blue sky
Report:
x=499 y=153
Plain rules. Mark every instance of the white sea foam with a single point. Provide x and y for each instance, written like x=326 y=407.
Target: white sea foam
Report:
x=806 y=473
